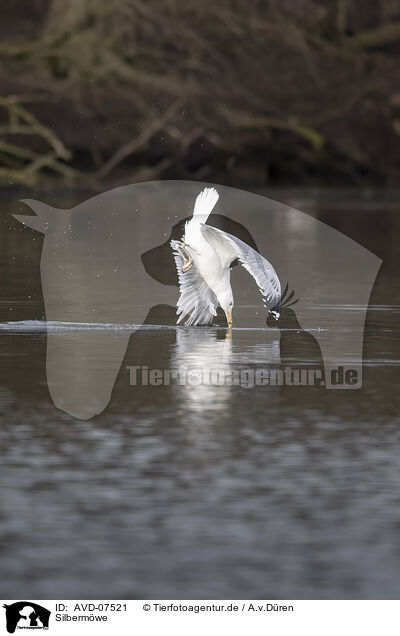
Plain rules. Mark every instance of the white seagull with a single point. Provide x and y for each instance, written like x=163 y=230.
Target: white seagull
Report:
x=203 y=258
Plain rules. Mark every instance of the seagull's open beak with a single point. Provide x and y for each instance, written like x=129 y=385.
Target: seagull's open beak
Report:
x=228 y=317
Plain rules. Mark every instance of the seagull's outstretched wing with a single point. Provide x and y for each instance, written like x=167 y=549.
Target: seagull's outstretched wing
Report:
x=258 y=266
x=197 y=300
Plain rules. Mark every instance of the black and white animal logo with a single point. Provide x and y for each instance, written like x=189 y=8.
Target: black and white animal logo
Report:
x=25 y=614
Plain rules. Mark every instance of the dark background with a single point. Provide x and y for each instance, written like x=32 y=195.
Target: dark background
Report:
x=246 y=94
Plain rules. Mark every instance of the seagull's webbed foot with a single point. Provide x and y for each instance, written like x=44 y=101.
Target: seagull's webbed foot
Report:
x=187 y=259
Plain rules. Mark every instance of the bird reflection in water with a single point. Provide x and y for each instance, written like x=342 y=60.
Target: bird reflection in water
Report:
x=215 y=362
x=204 y=360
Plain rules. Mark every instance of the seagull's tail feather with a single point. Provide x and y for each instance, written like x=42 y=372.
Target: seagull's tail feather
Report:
x=205 y=203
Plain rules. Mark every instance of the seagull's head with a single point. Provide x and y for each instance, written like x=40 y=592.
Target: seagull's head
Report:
x=225 y=299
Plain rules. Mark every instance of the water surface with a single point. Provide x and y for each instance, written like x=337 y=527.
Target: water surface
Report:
x=204 y=491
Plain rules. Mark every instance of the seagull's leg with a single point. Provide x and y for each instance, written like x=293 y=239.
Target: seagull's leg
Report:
x=187 y=265
x=190 y=260
x=187 y=259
